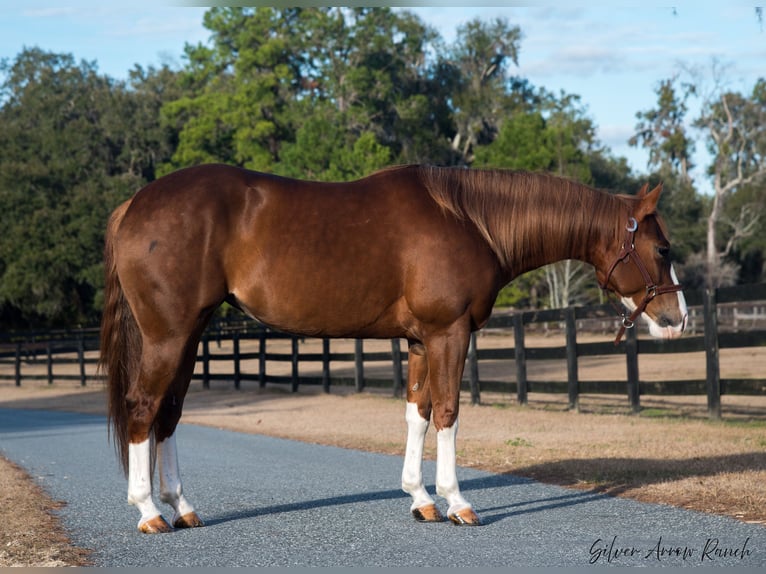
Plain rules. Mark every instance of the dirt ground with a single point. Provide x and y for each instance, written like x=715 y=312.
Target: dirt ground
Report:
x=670 y=453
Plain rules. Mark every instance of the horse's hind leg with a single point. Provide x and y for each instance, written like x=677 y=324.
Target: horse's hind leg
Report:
x=143 y=401
x=171 y=488
x=417 y=415
x=148 y=403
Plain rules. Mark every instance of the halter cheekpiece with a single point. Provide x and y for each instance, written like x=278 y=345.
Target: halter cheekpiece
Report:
x=628 y=252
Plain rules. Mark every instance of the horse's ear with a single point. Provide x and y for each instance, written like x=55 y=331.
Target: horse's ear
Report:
x=648 y=204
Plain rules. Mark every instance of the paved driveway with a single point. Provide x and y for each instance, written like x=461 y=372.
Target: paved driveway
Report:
x=273 y=502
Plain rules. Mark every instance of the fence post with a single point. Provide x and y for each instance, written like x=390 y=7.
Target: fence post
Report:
x=49 y=361
x=473 y=370
x=294 y=362
x=713 y=378
x=237 y=373
x=631 y=357
x=520 y=358
x=205 y=363
x=262 y=358
x=571 y=351
x=81 y=358
x=396 y=359
x=17 y=364
x=359 y=365
x=326 y=365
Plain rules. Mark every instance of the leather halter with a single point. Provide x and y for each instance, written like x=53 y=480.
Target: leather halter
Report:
x=627 y=252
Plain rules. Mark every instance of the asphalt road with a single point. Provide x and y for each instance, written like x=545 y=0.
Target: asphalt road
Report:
x=273 y=502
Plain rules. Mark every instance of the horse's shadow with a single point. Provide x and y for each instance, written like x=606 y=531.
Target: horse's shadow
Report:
x=618 y=476
x=489 y=515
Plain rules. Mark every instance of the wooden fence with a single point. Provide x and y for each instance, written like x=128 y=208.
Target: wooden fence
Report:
x=726 y=318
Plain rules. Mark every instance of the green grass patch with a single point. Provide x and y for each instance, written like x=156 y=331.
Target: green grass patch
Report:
x=655 y=413
x=745 y=424
x=518 y=442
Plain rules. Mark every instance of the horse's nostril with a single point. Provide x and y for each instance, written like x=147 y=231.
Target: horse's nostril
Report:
x=664 y=321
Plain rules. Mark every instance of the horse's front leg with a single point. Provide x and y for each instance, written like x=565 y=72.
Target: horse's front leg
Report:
x=417 y=416
x=446 y=359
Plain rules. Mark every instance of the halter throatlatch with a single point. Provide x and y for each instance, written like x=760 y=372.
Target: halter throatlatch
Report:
x=627 y=252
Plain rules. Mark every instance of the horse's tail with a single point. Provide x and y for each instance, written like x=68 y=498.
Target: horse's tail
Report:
x=120 y=342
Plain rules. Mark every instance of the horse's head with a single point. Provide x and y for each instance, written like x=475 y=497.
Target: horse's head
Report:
x=638 y=268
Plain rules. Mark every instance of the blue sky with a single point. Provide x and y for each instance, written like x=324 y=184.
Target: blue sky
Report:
x=613 y=55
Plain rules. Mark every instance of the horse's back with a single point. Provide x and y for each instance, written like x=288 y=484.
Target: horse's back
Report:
x=308 y=257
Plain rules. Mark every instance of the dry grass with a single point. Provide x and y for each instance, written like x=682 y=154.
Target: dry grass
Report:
x=31 y=535
x=670 y=453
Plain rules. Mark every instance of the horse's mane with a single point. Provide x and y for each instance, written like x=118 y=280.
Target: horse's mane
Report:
x=522 y=215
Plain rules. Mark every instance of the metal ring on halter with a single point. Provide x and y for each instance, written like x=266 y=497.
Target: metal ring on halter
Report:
x=632 y=224
x=627 y=323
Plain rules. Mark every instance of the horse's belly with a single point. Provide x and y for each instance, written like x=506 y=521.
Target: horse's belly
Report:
x=308 y=300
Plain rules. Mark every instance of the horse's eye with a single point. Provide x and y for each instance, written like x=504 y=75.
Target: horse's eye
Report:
x=663 y=251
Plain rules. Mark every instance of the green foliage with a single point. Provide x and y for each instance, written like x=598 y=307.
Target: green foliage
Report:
x=662 y=131
x=74 y=145
x=474 y=70
x=323 y=151
x=326 y=93
x=557 y=138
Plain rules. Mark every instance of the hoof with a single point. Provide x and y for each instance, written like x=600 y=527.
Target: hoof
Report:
x=188 y=520
x=427 y=513
x=156 y=525
x=465 y=517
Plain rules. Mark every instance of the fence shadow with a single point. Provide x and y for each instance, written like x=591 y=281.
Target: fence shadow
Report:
x=615 y=476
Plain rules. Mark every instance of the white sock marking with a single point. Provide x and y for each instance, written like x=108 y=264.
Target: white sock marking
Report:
x=446 y=472
x=412 y=471
x=171 y=489
x=140 y=480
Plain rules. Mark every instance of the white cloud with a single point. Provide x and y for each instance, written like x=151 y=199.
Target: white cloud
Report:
x=614 y=135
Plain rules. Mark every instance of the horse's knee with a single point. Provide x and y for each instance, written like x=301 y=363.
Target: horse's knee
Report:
x=445 y=416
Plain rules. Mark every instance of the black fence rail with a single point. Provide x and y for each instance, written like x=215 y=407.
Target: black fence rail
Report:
x=725 y=319
x=22 y=354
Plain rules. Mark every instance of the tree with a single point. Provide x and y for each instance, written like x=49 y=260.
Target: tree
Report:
x=237 y=109
x=358 y=70
x=368 y=66
x=324 y=151
x=75 y=143
x=663 y=132
x=735 y=128
x=476 y=67
x=147 y=142
x=52 y=142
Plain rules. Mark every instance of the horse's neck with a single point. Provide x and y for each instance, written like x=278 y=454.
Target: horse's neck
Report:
x=580 y=237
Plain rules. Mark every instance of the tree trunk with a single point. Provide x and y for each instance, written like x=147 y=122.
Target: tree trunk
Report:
x=712 y=250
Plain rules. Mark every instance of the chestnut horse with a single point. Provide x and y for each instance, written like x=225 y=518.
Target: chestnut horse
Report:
x=414 y=252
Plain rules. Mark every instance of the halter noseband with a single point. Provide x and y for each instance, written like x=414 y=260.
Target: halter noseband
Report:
x=627 y=252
